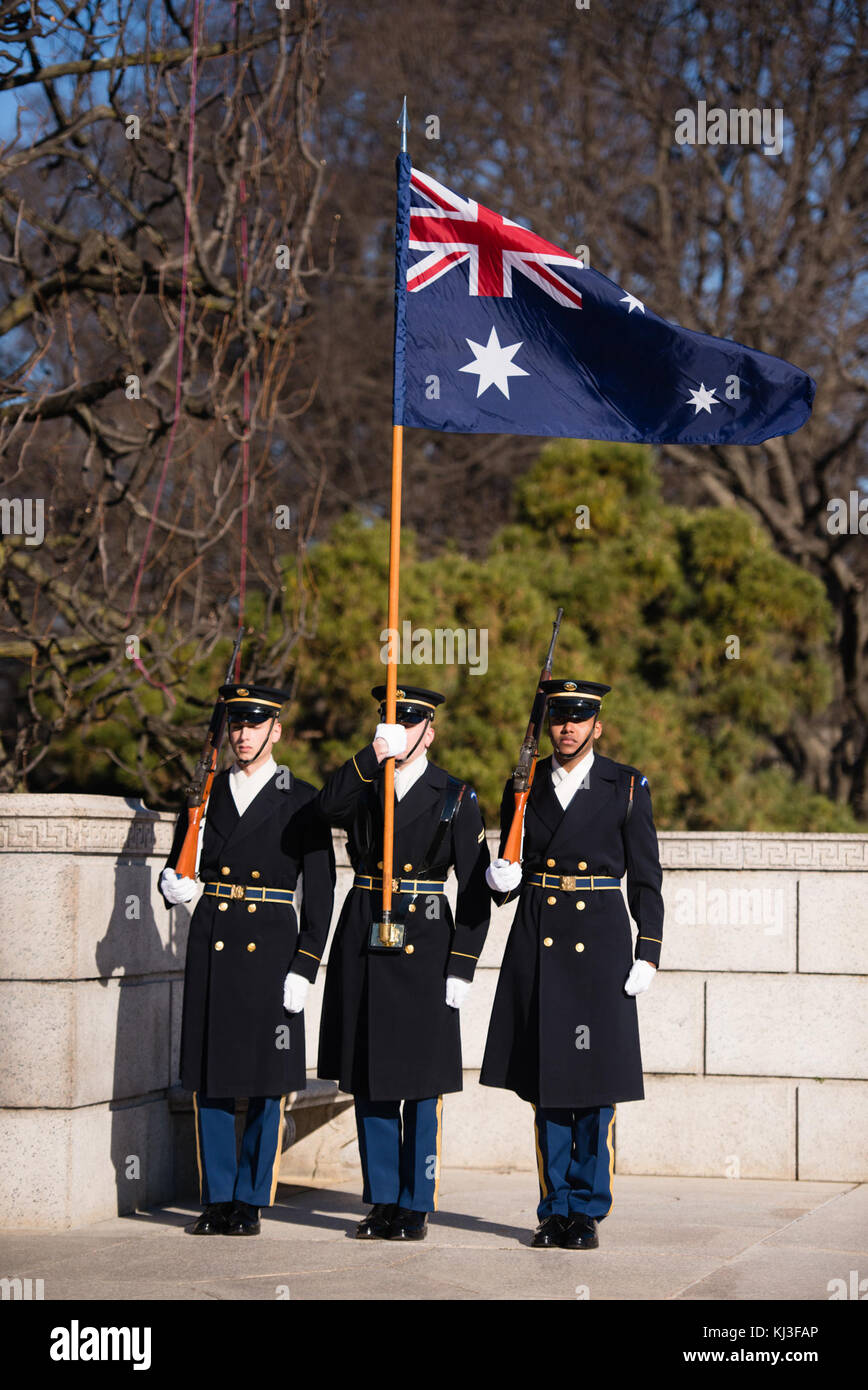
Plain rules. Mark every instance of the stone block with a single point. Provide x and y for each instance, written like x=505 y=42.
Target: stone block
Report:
x=709 y=1127
x=81 y=1042
x=729 y=921
x=67 y=1168
x=833 y=924
x=787 y=1025
x=672 y=1023
x=833 y=1130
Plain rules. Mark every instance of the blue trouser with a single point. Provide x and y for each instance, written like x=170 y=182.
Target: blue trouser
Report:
x=252 y=1177
x=400 y=1154
x=575 y=1159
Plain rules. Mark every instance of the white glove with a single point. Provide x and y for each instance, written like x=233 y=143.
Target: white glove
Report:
x=640 y=977
x=457 y=991
x=177 y=890
x=395 y=738
x=502 y=875
x=295 y=988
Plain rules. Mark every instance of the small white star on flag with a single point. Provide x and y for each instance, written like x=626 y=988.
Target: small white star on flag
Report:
x=703 y=399
x=634 y=303
x=494 y=365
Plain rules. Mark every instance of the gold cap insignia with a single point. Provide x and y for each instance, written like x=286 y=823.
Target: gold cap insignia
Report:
x=399 y=694
x=242 y=691
x=570 y=685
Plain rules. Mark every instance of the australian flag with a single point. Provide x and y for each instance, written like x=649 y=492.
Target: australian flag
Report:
x=499 y=331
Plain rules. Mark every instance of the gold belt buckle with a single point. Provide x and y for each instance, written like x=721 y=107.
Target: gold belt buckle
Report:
x=236 y=890
x=568 y=883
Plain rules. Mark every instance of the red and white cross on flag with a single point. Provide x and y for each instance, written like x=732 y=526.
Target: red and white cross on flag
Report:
x=457 y=229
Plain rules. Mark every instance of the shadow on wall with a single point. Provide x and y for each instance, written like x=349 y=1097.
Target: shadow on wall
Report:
x=133 y=958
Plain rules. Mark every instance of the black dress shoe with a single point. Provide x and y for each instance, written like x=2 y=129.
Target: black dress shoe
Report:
x=580 y=1234
x=548 y=1233
x=376 y=1224
x=408 y=1225
x=243 y=1221
x=213 y=1220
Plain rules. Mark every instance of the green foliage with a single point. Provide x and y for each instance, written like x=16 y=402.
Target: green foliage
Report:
x=655 y=598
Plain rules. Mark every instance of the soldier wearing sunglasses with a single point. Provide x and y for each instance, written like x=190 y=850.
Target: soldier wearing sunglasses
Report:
x=390 y=1029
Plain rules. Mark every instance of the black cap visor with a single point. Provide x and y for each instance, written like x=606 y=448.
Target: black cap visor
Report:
x=573 y=711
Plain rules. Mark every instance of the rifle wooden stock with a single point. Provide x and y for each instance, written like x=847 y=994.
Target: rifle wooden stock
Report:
x=527 y=760
x=186 y=865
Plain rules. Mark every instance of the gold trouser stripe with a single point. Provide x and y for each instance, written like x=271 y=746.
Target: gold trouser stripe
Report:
x=438 y=1143
x=611 y=1158
x=539 y=1158
x=198 y=1149
x=276 y=1166
x=356 y=766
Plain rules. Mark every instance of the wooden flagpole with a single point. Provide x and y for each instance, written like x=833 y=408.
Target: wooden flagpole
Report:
x=388 y=934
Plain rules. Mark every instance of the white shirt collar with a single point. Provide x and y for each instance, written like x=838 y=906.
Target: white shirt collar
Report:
x=244 y=787
x=566 y=781
x=407 y=777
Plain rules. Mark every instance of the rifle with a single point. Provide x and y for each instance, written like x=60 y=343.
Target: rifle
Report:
x=522 y=778
x=199 y=790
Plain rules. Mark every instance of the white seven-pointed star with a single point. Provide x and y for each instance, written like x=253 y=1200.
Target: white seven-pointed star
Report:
x=632 y=301
x=494 y=365
x=703 y=399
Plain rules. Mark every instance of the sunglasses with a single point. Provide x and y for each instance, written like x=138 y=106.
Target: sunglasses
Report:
x=408 y=715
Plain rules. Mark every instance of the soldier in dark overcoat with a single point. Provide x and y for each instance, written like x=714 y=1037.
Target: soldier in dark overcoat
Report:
x=564 y=1031
x=249 y=960
x=390 y=1029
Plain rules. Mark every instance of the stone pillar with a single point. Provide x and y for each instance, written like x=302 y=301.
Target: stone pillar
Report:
x=91 y=967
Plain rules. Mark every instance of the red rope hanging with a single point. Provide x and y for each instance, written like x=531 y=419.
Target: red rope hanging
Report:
x=182 y=317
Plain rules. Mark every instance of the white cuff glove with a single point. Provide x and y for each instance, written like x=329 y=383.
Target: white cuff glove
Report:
x=502 y=875
x=395 y=738
x=177 y=890
x=457 y=991
x=295 y=988
x=640 y=977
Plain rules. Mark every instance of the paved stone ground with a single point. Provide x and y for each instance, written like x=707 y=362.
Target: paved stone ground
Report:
x=665 y=1238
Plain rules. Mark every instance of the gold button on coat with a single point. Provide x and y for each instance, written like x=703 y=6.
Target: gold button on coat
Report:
x=254 y=873
x=218 y=945
x=580 y=945
x=581 y=905
x=251 y=945
x=409 y=950
x=222 y=907
x=548 y=941
x=379 y=863
x=551 y=901
x=225 y=869
x=412 y=907
x=582 y=864
x=551 y=863
x=407 y=868
x=251 y=907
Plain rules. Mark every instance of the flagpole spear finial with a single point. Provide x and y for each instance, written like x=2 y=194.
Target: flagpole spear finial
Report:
x=402 y=122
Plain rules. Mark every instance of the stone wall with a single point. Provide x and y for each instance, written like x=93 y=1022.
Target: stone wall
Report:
x=753 y=1034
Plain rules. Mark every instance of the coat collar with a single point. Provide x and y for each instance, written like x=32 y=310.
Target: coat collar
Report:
x=422 y=797
x=223 y=813
x=565 y=826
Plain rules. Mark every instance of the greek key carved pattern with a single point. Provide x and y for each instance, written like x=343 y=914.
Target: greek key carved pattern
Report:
x=69 y=835
x=760 y=851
